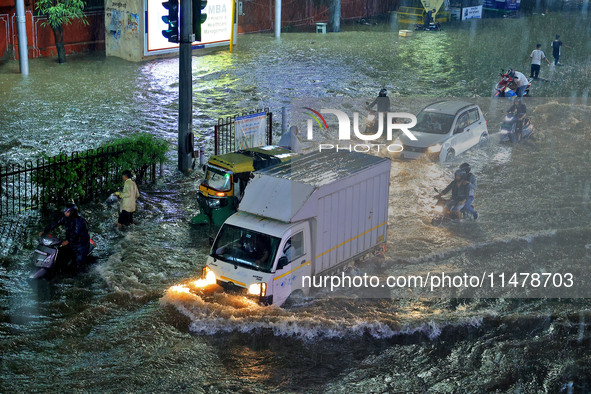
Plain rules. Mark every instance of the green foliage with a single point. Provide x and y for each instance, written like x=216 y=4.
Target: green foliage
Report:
x=82 y=176
x=140 y=151
x=59 y=12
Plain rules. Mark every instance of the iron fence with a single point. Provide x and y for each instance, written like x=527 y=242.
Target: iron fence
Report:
x=225 y=129
x=40 y=184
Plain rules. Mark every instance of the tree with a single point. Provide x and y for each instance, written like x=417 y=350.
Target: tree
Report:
x=334 y=9
x=58 y=13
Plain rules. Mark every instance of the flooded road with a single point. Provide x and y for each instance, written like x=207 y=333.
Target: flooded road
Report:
x=115 y=328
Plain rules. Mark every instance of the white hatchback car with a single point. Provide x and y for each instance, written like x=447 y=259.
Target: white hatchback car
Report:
x=444 y=130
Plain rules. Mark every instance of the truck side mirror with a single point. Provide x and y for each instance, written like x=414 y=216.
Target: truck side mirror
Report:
x=282 y=262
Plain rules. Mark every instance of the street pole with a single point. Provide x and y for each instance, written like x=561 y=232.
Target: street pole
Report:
x=277 y=18
x=335 y=16
x=185 y=87
x=23 y=50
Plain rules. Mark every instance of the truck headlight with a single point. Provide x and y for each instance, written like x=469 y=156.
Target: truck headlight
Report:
x=213 y=203
x=434 y=148
x=207 y=278
x=259 y=289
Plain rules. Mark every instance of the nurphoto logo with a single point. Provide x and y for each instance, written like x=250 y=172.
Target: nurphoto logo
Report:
x=386 y=122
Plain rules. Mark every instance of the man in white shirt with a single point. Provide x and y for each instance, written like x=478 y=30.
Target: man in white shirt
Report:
x=536 y=59
x=521 y=82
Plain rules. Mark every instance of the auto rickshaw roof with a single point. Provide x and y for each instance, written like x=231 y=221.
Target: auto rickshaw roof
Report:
x=251 y=159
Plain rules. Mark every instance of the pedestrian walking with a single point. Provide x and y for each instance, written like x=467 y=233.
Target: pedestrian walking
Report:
x=556 y=44
x=128 y=196
x=536 y=59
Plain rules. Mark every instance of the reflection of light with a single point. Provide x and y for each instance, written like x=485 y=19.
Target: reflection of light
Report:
x=434 y=148
x=178 y=289
x=439 y=208
x=208 y=280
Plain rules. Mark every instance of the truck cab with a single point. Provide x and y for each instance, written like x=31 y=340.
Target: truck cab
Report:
x=226 y=177
x=259 y=257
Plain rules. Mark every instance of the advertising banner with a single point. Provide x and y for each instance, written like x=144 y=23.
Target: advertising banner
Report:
x=216 y=30
x=251 y=130
x=472 y=13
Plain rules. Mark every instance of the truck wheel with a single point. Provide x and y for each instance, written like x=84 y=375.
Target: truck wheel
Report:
x=295 y=297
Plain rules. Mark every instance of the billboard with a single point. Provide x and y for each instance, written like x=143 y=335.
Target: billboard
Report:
x=472 y=12
x=216 y=30
x=251 y=130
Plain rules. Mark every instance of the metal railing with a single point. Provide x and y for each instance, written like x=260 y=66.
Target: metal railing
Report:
x=39 y=184
x=224 y=132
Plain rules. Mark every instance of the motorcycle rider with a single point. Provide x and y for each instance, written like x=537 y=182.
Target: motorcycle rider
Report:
x=471 y=178
x=460 y=191
x=77 y=236
x=518 y=110
x=520 y=80
x=383 y=106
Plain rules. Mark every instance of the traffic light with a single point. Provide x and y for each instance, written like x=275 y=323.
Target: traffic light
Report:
x=172 y=32
x=198 y=17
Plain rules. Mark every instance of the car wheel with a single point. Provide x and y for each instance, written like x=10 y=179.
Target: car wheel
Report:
x=483 y=139
x=451 y=155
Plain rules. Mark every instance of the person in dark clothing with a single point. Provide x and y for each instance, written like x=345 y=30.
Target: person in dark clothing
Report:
x=428 y=18
x=382 y=101
x=471 y=178
x=460 y=191
x=383 y=107
x=77 y=236
x=518 y=109
x=556 y=44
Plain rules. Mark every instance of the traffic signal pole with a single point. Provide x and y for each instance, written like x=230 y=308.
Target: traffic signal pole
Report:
x=185 y=87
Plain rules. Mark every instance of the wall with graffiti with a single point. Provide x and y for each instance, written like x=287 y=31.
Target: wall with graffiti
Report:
x=122 y=29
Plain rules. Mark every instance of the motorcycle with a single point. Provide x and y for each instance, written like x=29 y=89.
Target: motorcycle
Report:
x=509 y=130
x=442 y=214
x=51 y=257
x=433 y=26
x=506 y=87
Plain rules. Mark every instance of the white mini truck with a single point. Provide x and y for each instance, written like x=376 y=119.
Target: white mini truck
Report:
x=308 y=217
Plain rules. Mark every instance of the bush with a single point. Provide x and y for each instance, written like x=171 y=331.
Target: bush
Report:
x=139 y=152
x=81 y=176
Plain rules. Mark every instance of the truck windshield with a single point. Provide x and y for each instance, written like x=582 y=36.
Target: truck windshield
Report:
x=246 y=248
x=218 y=179
x=433 y=122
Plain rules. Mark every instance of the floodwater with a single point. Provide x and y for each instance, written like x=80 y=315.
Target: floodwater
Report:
x=116 y=328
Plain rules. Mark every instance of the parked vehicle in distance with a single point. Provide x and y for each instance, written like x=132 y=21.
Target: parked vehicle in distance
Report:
x=308 y=217
x=444 y=130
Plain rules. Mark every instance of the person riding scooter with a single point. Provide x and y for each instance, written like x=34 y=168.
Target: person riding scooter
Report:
x=470 y=177
x=77 y=236
x=518 y=110
x=460 y=191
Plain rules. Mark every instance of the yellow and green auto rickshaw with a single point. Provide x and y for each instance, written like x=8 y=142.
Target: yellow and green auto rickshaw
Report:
x=226 y=177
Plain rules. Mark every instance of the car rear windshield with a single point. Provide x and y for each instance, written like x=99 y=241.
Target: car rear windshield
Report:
x=433 y=122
